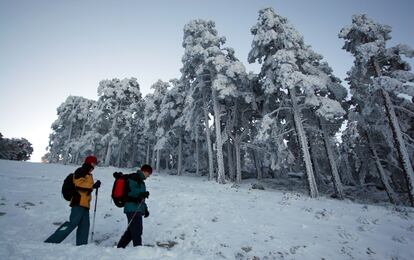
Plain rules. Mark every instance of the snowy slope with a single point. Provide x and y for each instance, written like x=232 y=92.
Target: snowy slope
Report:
x=192 y=218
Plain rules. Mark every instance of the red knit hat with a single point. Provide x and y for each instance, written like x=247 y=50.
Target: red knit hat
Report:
x=91 y=159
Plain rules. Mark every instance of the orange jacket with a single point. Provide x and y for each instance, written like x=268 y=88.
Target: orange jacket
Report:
x=83 y=180
x=84 y=187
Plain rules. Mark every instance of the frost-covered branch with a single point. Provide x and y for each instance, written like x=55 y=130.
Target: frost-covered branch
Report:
x=409 y=112
x=389 y=163
x=279 y=109
x=314 y=129
x=408 y=137
x=255 y=147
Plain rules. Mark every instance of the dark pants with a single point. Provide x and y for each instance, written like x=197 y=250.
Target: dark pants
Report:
x=133 y=232
x=79 y=217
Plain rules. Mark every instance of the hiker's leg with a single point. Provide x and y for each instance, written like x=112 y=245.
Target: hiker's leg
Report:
x=82 y=232
x=126 y=237
x=66 y=228
x=136 y=230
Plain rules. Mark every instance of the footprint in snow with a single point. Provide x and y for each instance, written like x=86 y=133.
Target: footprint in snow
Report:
x=411 y=228
x=2 y=213
x=365 y=228
x=247 y=249
x=307 y=209
x=293 y=250
x=342 y=233
x=103 y=238
x=347 y=251
x=168 y=244
x=323 y=214
x=25 y=205
x=363 y=220
x=370 y=251
x=399 y=239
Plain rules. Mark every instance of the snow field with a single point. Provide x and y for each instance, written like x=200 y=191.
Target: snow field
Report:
x=191 y=218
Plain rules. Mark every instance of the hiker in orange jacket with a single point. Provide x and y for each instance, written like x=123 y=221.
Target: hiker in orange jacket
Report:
x=80 y=203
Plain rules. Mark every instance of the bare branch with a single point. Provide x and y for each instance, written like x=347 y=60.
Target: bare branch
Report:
x=255 y=147
x=279 y=109
x=408 y=137
x=411 y=113
x=314 y=129
x=393 y=165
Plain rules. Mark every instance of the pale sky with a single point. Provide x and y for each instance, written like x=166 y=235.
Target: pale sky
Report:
x=52 y=49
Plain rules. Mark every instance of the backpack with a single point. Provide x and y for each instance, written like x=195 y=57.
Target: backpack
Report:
x=120 y=189
x=68 y=187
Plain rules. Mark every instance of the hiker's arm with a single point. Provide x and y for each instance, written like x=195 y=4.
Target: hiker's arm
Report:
x=83 y=184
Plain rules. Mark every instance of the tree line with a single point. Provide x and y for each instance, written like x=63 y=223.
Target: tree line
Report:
x=293 y=116
x=17 y=149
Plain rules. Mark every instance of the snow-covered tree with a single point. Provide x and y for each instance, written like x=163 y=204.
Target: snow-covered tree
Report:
x=152 y=131
x=171 y=121
x=18 y=149
x=201 y=42
x=380 y=73
x=296 y=78
x=116 y=103
x=68 y=128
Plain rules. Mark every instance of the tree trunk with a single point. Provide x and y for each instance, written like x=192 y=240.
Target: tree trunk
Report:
x=230 y=160
x=334 y=170
x=120 y=154
x=109 y=151
x=219 y=142
x=83 y=129
x=362 y=173
x=319 y=176
x=238 y=162
x=167 y=161
x=313 y=189
x=153 y=156
x=208 y=137
x=147 y=159
x=348 y=177
x=180 y=155
x=258 y=165
x=401 y=148
x=66 y=159
x=383 y=176
x=197 y=153
x=158 y=160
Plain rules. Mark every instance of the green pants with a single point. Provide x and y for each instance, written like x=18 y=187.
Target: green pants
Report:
x=79 y=217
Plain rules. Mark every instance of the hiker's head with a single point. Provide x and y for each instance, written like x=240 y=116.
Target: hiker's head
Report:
x=147 y=170
x=91 y=160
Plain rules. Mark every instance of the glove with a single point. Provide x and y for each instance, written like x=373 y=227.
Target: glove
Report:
x=145 y=194
x=142 y=196
x=146 y=214
x=97 y=184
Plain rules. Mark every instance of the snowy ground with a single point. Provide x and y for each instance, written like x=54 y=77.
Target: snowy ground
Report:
x=192 y=218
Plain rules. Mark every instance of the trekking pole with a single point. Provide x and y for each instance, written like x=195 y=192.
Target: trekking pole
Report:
x=134 y=215
x=94 y=213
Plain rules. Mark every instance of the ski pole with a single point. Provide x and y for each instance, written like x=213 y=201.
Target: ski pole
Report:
x=134 y=215
x=94 y=213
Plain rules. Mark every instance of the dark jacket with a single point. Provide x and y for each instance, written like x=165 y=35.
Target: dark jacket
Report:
x=136 y=189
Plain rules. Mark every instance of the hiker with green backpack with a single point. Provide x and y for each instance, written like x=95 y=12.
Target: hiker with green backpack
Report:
x=78 y=188
x=130 y=192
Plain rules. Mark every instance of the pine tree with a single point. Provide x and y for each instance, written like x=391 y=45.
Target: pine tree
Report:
x=379 y=71
x=296 y=77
